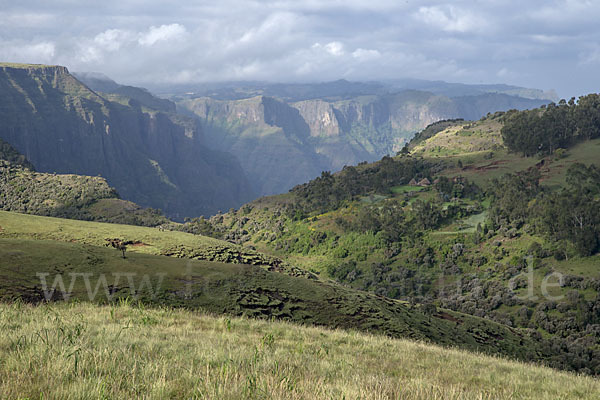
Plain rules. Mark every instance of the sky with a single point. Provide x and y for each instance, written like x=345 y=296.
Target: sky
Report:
x=552 y=44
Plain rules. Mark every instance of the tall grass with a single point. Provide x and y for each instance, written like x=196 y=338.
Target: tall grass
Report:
x=80 y=351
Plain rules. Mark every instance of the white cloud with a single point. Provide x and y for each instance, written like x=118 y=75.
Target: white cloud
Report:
x=27 y=19
x=450 y=19
x=366 y=54
x=335 y=48
x=549 y=39
x=162 y=33
x=32 y=52
x=273 y=27
x=112 y=39
x=545 y=44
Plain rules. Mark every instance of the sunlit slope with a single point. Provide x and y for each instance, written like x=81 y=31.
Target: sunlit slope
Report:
x=475 y=150
x=86 y=351
x=142 y=239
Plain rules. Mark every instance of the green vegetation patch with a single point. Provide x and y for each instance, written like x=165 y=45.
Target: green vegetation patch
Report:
x=144 y=240
x=405 y=189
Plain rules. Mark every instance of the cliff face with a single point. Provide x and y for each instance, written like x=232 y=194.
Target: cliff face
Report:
x=282 y=144
x=268 y=137
x=154 y=158
x=320 y=117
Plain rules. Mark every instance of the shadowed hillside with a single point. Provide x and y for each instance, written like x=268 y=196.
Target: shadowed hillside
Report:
x=154 y=158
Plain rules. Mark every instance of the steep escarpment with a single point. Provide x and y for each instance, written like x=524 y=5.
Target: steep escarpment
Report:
x=154 y=158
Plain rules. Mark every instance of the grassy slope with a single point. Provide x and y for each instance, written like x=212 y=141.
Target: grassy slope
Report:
x=478 y=145
x=94 y=233
x=146 y=240
x=461 y=138
x=85 y=351
x=31 y=245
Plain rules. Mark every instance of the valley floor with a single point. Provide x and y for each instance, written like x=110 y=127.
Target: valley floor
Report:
x=80 y=350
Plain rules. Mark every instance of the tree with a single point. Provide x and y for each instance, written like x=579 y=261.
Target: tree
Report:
x=426 y=215
x=119 y=245
x=587 y=115
x=512 y=195
x=573 y=214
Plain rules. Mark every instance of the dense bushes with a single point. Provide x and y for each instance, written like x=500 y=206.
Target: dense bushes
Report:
x=328 y=191
x=68 y=196
x=511 y=196
x=12 y=156
x=569 y=216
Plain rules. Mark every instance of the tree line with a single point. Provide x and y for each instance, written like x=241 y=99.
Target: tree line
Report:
x=329 y=191
x=543 y=131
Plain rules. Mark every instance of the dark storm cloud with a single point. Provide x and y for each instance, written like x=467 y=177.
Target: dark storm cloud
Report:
x=545 y=44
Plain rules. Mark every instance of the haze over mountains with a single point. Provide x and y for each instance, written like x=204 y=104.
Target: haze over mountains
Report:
x=287 y=199
x=285 y=134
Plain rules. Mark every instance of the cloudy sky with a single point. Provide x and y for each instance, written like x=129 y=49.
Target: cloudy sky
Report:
x=551 y=44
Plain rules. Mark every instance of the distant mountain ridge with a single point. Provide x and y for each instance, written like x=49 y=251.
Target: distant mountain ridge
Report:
x=281 y=134
x=339 y=89
x=460 y=89
x=150 y=155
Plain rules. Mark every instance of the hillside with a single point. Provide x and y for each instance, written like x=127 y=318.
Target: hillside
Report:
x=87 y=351
x=151 y=156
x=459 y=221
x=281 y=143
x=72 y=258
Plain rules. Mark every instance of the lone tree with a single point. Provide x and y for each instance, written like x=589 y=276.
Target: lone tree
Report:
x=118 y=244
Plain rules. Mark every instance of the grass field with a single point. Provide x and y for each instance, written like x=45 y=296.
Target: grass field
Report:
x=405 y=189
x=82 y=351
x=463 y=139
x=151 y=240
x=143 y=240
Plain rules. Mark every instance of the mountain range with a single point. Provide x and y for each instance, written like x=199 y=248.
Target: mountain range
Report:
x=197 y=153
x=285 y=134
x=482 y=235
